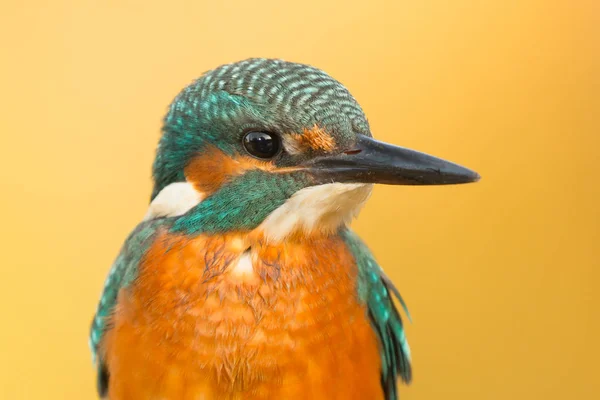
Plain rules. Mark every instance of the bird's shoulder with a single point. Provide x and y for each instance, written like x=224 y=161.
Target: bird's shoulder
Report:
x=377 y=290
x=122 y=272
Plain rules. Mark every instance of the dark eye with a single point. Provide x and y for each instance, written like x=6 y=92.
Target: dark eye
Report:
x=262 y=144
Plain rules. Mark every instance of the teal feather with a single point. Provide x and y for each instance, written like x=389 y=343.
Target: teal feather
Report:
x=227 y=210
x=374 y=289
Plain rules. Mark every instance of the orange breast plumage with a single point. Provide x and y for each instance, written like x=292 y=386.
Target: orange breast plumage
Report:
x=232 y=317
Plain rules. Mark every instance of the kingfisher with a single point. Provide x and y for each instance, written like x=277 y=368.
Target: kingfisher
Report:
x=244 y=280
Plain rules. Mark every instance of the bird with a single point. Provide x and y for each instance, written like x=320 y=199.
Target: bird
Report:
x=244 y=279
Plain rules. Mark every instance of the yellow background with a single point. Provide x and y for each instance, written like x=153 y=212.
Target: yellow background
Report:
x=500 y=276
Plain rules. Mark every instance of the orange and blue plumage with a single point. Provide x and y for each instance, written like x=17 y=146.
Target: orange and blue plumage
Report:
x=243 y=280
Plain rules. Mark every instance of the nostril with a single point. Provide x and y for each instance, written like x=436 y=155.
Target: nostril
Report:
x=351 y=152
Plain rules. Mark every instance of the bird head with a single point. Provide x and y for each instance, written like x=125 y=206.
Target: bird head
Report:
x=276 y=146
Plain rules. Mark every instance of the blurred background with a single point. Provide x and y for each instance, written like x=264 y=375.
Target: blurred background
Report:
x=500 y=276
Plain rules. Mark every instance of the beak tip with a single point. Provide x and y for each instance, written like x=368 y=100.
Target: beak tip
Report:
x=457 y=174
x=470 y=176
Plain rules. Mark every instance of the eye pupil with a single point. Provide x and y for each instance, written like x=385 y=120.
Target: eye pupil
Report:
x=261 y=144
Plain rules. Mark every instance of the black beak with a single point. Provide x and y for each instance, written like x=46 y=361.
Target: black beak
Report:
x=372 y=161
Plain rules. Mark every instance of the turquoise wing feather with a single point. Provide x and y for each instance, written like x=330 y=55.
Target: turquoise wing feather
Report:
x=377 y=290
x=122 y=273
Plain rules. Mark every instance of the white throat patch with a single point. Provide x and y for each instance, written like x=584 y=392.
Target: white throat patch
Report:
x=321 y=208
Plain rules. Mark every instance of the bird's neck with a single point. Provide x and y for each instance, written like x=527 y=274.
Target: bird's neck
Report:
x=288 y=213
x=239 y=206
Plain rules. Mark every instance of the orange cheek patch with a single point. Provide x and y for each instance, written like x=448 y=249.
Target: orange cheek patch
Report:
x=315 y=138
x=212 y=168
x=209 y=170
